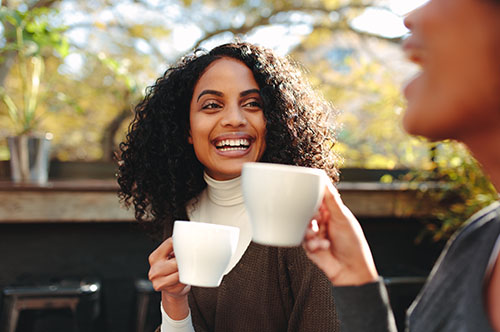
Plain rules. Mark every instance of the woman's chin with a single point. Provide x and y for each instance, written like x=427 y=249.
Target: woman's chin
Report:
x=416 y=125
x=412 y=121
x=228 y=172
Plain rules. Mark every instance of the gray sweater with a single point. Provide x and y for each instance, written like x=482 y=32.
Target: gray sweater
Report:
x=452 y=299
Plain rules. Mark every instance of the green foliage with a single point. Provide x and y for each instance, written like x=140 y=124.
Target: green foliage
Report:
x=105 y=88
x=114 y=71
x=37 y=29
x=455 y=186
x=120 y=71
x=368 y=94
x=29 y=34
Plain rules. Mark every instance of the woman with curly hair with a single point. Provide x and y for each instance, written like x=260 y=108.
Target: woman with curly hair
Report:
x=182 y=159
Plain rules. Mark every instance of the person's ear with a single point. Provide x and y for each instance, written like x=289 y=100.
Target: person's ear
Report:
x=190 y=138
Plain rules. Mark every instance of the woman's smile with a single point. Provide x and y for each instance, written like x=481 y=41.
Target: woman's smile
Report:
x=236 y=144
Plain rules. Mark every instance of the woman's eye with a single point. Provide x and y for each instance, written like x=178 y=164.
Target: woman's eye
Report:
x=210 y=106
x=253 y=103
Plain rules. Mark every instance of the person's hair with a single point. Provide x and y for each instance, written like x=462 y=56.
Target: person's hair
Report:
x=158 y=170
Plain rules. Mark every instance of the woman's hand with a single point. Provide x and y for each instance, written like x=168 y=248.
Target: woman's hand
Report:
x=338 y=245
x=164 y=275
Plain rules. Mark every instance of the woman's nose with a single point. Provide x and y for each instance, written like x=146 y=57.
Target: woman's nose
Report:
x=412 y=17
x=233 y=116
x=408 y=21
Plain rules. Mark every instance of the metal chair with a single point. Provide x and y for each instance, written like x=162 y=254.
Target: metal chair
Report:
x=402 y=292
x=147 y=306
x=63 y=295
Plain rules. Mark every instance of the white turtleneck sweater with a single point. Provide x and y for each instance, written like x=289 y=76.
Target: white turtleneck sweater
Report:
x=220 y=203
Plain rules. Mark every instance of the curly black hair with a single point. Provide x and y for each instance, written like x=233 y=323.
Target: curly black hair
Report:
x=158 y=170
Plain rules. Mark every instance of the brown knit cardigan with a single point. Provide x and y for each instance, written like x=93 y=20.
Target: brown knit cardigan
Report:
x=269 y=290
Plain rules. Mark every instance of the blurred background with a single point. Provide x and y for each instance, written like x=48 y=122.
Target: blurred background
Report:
x=72 y=71
x=98 y=56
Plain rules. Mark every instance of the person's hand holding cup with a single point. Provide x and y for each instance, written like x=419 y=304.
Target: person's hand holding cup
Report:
x=197 y=254
x=164 y=276
x=336 y=244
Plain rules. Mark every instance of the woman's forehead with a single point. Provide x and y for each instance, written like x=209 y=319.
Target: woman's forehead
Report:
x=226 y=73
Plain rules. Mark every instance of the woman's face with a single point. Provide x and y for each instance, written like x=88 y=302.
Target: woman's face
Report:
x=457 y=93
x=227 y=123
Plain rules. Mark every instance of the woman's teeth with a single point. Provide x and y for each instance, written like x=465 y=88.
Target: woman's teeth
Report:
x=233 y=144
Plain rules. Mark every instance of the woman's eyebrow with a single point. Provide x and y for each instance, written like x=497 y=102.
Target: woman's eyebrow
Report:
x=247 y=92
x=210 y=92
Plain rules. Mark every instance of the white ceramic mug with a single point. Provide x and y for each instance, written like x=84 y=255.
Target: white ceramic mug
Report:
x=281 y=200
x=203 y=251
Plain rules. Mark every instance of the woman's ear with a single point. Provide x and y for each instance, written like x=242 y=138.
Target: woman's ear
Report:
x=190 y=138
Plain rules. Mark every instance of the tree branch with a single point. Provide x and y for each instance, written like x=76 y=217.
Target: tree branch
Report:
x=262 y=21
x=108 y=138
x=42 y=4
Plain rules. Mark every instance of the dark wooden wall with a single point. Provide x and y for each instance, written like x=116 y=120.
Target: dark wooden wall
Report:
x=116 y=254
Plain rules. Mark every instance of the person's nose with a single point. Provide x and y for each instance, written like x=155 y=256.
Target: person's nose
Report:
x=412 y=17
x=408 y=21
x=233 y=116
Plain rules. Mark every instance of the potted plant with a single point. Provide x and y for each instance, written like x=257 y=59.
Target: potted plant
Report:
x=27 y=33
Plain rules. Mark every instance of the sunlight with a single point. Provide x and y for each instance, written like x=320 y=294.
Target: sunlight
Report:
x=387 y=23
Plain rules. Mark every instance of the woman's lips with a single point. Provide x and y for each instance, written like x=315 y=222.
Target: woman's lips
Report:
x=413 y=51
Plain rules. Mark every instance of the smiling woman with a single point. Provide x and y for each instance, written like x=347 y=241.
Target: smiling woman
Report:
x=202 y=120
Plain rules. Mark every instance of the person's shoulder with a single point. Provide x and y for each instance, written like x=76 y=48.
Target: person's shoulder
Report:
x=489 y=214
x=493 y=274
x=492 y=211
x=495 y=210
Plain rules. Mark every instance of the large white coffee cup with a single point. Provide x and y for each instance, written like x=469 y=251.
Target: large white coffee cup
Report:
x=281 y=200
x=203 y=251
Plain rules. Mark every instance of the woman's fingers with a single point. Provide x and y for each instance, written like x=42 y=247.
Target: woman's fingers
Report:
x=164 y=282
x=162 y=268
x=338 y=245
x=313 y=240
x=162 y=261
x=325 y=261
x=322 y=216
x=164 y=276
x=315 y=244
x=173 y=288
x=310 y=233
x=164 y=272
x=316 y=237
x=163 y=251
x=332 y=202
